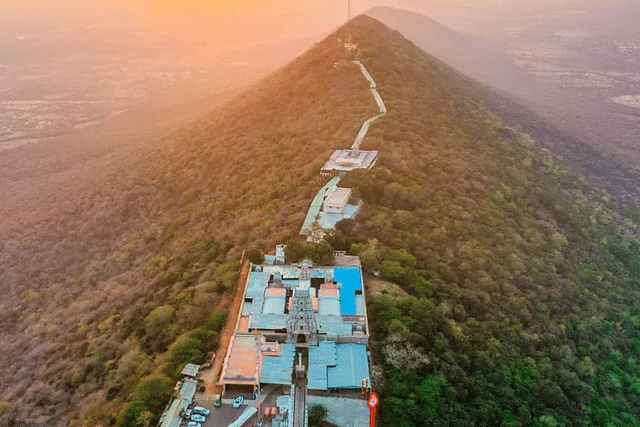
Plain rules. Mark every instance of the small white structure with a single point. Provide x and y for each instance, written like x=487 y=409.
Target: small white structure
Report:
x=280 y=255
x=337 y=200
x=190 y=370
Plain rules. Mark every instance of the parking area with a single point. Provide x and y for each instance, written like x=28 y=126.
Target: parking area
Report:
x=224 y=415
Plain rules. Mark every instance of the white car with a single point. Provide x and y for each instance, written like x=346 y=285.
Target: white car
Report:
x=202 y=411
x=193 y=424
x=198 y=418
x=238 y=401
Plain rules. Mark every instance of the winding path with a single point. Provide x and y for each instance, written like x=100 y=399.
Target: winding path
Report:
x=383 y=108
x=314 y=209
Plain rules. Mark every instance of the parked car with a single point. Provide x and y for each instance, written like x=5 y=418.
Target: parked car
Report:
x=198 y=418
x=238 y=401
x=218 y=402
x=193 y=424
x=187 y=414
x=202 y=411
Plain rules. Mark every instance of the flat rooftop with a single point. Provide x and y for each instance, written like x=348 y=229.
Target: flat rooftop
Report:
x=351 y=280
x=242 y=360
x=190 y=370
x=337 y=366
x=339 y=196
x=348 y=160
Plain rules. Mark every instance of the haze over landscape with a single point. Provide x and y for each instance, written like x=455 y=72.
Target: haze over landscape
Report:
x=148 y=148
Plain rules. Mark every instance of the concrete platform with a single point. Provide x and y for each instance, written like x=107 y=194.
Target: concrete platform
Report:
x=342 y=411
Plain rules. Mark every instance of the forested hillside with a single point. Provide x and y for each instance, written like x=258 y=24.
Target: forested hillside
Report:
x=99 y=280
x=522 y=277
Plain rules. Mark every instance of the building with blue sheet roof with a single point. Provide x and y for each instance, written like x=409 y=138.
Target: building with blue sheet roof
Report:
x=352 y=367
x=289 y=307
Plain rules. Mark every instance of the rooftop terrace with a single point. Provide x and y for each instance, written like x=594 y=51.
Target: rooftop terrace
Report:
x=343 y=161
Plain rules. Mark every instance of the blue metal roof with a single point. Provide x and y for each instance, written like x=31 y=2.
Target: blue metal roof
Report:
x=268 y=321
x=274 y=305
x=351 y=282
x=333 y=326
x=278 y=369
x=316 y=204
x=329 y=220
x=329 y=306
x=360 y=305
x=317 y=377
x=351 y=368
x=320 y=357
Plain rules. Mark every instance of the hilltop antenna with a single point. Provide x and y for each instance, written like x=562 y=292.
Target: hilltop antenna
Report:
x=348 y=11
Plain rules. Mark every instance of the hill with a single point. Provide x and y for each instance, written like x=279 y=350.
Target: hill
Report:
x=472 y=55
x=564 y=114
x=94 y=272
x=521 y=275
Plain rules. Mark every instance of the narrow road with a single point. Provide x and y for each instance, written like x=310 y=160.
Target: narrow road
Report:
x=300 y=403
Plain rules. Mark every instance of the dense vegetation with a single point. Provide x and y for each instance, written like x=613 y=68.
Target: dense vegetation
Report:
x=523 y=279
x=102 y=280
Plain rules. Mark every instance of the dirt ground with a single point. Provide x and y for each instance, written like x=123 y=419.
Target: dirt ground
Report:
x=376 y=286
x=227 y=332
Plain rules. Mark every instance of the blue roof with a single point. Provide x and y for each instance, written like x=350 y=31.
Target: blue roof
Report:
x=246 y=308
x=316 y=204
x=277 y=369
x=351 y=282
x=352 y=367
x=268 y=321
x=333 y=326
x=329 y=306
x=329 y=220
x=320 y=357
x=257 y=282
x=274 y=305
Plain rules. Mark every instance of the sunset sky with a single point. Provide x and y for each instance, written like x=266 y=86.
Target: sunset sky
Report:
x=247 y=22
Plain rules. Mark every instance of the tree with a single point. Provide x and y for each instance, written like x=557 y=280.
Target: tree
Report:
x=217 y=320
x=183 y=351
x=133 y=415
x=154 y=392
x=317 y=414
x=321 y=253
x=254 y=255
x=346 y=226
x=294 y=251
x=392 y=270
x=158 y=320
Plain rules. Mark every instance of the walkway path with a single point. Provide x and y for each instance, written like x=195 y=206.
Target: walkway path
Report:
x=383 y=108
x=314 y=209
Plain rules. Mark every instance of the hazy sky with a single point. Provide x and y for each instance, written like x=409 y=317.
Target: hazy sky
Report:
x=243 y=22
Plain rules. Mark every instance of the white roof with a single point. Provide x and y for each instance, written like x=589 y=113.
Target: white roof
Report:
x=246 y=415
x=339 y=196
